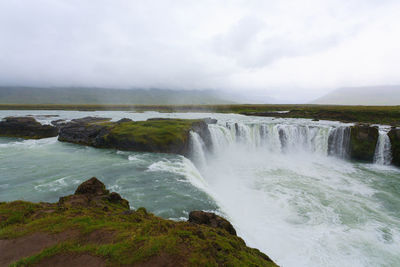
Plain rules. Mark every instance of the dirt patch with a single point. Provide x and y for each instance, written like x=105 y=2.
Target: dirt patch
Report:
x=163 y=260
x=14 y=249
x=99 y=237
x=75 y=260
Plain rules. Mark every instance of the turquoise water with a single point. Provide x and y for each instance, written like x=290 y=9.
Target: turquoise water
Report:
x=301 y=207
x=44 y=170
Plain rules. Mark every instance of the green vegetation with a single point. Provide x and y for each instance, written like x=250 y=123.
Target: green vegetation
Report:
x=160 y=134
x=389 y=115
x=103 y=226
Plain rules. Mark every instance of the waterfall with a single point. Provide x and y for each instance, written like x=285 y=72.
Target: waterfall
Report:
x=273 y=137
x=197 y=153
x=383 y=154
x=339 y=142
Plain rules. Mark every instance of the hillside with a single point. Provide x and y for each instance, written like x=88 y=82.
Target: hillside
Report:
x=75 y=95
x=372 y=95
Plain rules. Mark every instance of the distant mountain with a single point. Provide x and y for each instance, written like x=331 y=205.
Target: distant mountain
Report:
x=75 y=95
x=371 y=95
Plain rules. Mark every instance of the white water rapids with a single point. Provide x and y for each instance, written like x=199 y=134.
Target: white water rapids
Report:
x=290 y=191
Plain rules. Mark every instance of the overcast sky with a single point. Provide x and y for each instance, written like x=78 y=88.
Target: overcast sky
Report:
x=292 y=50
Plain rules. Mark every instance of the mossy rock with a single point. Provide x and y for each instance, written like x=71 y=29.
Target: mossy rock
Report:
x=153 y=135
x=95 y=226
x=363 y=140
x=394 y=136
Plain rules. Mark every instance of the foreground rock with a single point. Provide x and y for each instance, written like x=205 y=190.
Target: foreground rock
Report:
x=394 y=136
x=94 y=227
x=363 y=140
x=153 y=135
x=26 y=127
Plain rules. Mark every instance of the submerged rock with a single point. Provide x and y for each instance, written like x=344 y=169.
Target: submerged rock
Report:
x=394 y=136
x=363 y=140
x=26 y=127
x=96 y=228
x=211 y=219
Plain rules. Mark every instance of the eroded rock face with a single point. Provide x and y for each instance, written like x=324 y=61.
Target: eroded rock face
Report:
x=212 y=220
x=93 y=193
x=84 y=131
x=394 y=136
x=363 y=140
x=26 y=127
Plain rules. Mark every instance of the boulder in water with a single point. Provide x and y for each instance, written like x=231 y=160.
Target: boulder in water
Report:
x=363 y=140
x=26 y=127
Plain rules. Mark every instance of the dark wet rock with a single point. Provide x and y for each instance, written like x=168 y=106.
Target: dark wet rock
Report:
x=58 y=123
x=93 y=193
x=394 y=136
x=363 y=140
x=85 y=131
x=26 y=127
x=212 y=220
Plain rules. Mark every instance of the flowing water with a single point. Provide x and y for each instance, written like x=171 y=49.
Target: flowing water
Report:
x=285 y=184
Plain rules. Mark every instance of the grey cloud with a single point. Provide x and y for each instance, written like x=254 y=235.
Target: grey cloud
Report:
x=231 y=45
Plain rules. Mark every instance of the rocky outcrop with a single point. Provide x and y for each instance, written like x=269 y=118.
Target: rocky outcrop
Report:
x=363 y=140
x=212 y=220
x=26 y=127
x=93 y=193
x=86 y=131
x=94 y=227
x=394 y=136
x=154 y=135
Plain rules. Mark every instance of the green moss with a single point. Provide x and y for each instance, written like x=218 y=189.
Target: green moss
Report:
x=153 y=135
x=138 y=236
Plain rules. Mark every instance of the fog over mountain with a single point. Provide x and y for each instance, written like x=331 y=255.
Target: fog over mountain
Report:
x=373 y=95
x=285 y=50
x=85 y=95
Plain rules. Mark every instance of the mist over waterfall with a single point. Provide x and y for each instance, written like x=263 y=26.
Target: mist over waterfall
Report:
x=288 y=185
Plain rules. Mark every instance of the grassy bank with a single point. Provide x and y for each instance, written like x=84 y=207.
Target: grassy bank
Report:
x=98 y=228
x=367 y=114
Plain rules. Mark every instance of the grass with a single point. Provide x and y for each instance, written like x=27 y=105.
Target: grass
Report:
x=158 y=133
x=368 y=114
x=138 y=236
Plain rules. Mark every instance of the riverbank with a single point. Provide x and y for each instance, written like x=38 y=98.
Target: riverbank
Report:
x=389 y=115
